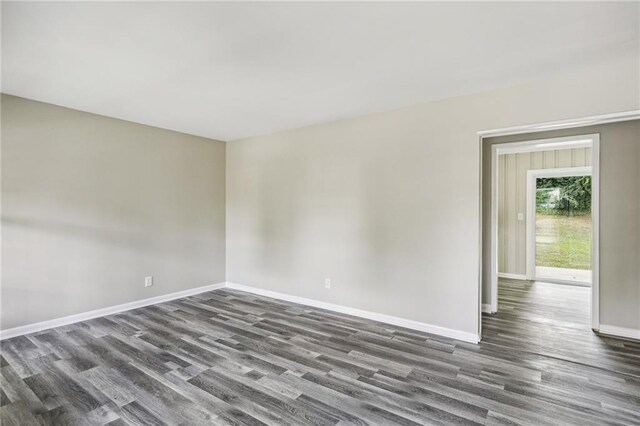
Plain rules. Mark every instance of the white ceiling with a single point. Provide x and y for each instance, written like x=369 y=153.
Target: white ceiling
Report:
x=233 y=70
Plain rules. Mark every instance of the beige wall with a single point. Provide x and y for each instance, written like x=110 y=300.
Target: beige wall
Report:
x=387 y=205
x=619 y=217
x=91 y=205
x=512 y=199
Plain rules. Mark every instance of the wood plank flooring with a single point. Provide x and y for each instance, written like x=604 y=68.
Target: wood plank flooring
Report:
x=232 y=358
x=554 y=320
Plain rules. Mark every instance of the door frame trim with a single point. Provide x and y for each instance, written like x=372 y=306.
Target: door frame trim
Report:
x=562 y=124
x=547 y=144
x=531 y=128
x=554 y=144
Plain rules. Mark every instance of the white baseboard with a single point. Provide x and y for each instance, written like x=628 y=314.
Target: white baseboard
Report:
x=84 y=316
x=486 y=308
x=613 y=330
x=388 y=319
x=512 y=276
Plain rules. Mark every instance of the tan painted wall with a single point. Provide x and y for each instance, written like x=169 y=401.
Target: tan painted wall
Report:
x=512 y=199
x=387 y=205
x=619 y=217
x=91 y=205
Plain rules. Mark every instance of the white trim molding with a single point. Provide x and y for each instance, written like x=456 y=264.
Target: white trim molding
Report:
x=563 y=124
x=486 y=308
x=493 y=296
x=614 y=330
x=595 y=234
x=84 y=316
x=540 y=145
x=388 y=319
x=512 y=276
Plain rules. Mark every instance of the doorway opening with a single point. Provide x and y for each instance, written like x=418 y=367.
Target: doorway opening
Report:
x=544 y=216
x=559 y=236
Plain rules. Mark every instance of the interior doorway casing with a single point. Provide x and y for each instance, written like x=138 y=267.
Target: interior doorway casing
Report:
x=554 y=128
x=532 y=176
x=577 y=141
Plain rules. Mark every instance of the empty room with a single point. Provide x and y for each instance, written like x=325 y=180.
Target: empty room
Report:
x=320 y=213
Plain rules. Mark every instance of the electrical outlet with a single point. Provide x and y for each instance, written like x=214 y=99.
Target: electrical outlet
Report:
x=148 y=281
x=520 y=216
x=327 y=283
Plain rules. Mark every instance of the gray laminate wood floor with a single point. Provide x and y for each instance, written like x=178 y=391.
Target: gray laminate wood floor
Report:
x=232 y=358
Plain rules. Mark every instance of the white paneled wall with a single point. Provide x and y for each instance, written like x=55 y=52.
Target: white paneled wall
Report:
x=512 y=199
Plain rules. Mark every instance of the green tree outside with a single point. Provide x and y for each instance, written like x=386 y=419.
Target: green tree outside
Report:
x=573 y=198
